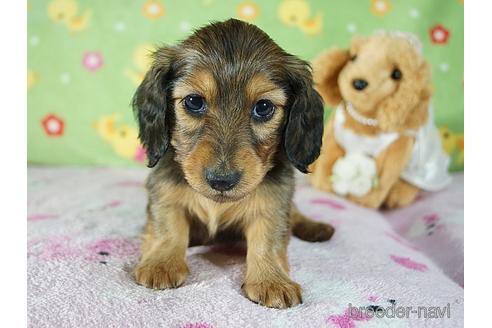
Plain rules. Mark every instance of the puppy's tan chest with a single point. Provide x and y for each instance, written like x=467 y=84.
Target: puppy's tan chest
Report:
x=212 y=214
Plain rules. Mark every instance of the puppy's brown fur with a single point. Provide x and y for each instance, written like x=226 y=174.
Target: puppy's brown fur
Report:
x=231 y=65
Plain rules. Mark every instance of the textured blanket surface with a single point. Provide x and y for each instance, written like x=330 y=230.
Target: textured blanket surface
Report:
x=83 y=228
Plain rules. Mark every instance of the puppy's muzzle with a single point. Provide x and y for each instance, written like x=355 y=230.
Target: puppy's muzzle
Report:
x=222 y=181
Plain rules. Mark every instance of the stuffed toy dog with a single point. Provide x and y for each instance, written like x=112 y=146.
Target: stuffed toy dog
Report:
x=380 y=145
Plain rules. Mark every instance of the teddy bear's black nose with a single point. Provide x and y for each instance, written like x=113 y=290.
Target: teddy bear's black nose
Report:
x=360 y=84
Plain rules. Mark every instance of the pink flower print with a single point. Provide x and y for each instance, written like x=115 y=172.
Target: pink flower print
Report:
x=112 y=204
x=409 y=264
x=41 y=217
x=431 y=219
x=58 y=248
x=139 y=154
x=373 y=298
x=348 y=318
x=328 y=202
x=121 y=248
x=92 y=61
x=431 y=223
x=115 y=203
x=341 y=321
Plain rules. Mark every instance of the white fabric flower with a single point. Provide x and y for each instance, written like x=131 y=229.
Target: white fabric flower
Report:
x=354 y=174
x=361 y=185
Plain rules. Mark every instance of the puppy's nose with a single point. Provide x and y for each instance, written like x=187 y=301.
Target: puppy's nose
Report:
x=360 y=84
x=222 y=181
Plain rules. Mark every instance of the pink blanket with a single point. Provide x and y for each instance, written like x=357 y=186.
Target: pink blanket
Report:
x=400 y=269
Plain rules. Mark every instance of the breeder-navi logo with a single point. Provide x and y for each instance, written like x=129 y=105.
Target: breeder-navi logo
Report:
x=393 y=311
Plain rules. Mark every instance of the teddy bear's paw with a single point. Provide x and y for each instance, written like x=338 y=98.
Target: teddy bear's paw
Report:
x=402 y=194
x=371 y=200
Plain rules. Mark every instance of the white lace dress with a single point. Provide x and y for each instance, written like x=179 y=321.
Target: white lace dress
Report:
x=427 y=168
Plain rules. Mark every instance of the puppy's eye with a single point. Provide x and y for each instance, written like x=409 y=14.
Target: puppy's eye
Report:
x=396 y=74
x=195 y=104
x=263 y=110
x=353 y=58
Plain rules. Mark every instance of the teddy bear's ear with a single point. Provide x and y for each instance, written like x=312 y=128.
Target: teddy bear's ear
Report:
x=326 y=68
x=407 y=108
x=357 y=43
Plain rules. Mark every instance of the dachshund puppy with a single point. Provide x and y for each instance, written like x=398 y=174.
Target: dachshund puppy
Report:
x=224 y=116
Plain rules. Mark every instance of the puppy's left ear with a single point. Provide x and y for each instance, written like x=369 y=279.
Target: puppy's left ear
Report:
x=151 y=105
x=304 y=129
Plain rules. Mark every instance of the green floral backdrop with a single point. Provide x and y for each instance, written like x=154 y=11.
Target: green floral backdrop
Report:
x=86 y=57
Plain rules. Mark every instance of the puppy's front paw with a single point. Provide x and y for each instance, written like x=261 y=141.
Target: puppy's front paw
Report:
x=161 y=275
x=278 y=294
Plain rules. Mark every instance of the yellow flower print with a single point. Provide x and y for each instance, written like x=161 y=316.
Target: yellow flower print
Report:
x=298 y=13
x=142 y=56
x=453 y=144
x=294 y=12
x=247 y=11
x=313 y=26
x=79 y=23
x=122 y=137
x=153 y=9
x=142 y=60
x=62 y=10
x=31 y=79
x=460 y=142
x=66 y=12
x=380 y=7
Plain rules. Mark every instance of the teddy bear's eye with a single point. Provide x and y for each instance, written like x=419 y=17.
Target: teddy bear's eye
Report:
x=353 y=58
x=396 y=74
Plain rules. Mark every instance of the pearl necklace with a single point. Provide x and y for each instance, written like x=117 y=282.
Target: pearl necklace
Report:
x=360 y=118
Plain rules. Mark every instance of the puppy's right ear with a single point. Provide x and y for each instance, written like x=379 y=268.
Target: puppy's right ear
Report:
x=326 y=68
x=151 y=105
